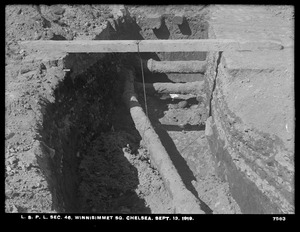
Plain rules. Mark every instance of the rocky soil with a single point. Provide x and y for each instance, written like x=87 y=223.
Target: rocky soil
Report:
x=70 y=143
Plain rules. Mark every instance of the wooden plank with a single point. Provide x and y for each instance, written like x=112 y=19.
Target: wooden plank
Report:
x=109 y=46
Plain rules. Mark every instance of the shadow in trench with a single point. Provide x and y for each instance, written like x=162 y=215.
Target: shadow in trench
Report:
x=162 y=32
x=187 y=127
x=75 y=124
x=156 y=109
x=57 y=37
x=109 y=179
x=185 y=28
x=179 y=162
x=130 y=30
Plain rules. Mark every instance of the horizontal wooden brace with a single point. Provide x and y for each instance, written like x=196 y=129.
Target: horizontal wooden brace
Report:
x=183 y=45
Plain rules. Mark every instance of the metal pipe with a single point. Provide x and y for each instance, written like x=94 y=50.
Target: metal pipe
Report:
x=184 y=201
x=187 y=66
x=196 y=88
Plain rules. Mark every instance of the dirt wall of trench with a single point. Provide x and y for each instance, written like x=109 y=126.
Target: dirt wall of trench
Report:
x=43 y=118
x=85 y=101
x=248 y=136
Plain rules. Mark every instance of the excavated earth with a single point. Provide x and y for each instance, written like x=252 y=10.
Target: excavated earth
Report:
x=70 y=142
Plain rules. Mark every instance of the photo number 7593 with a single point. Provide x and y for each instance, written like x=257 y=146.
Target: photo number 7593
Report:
x=279 y=219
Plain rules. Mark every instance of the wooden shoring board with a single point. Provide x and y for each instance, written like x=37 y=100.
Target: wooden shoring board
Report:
x=116 y=46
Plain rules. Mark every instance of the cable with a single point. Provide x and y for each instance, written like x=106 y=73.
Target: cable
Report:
x=145 y=97
x=144 y=88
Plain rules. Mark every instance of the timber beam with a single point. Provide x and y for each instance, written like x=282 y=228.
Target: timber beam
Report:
x=123 y=46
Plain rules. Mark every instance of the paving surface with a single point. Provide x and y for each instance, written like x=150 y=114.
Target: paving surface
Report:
x=250 y=22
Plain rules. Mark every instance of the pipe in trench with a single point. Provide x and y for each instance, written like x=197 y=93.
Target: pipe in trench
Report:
x=186 y=66
x=184 y=201
x=196 y=88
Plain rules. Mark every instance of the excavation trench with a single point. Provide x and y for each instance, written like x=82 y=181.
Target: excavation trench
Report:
x=203 y=134
x=102 y=162
x=99 y=165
